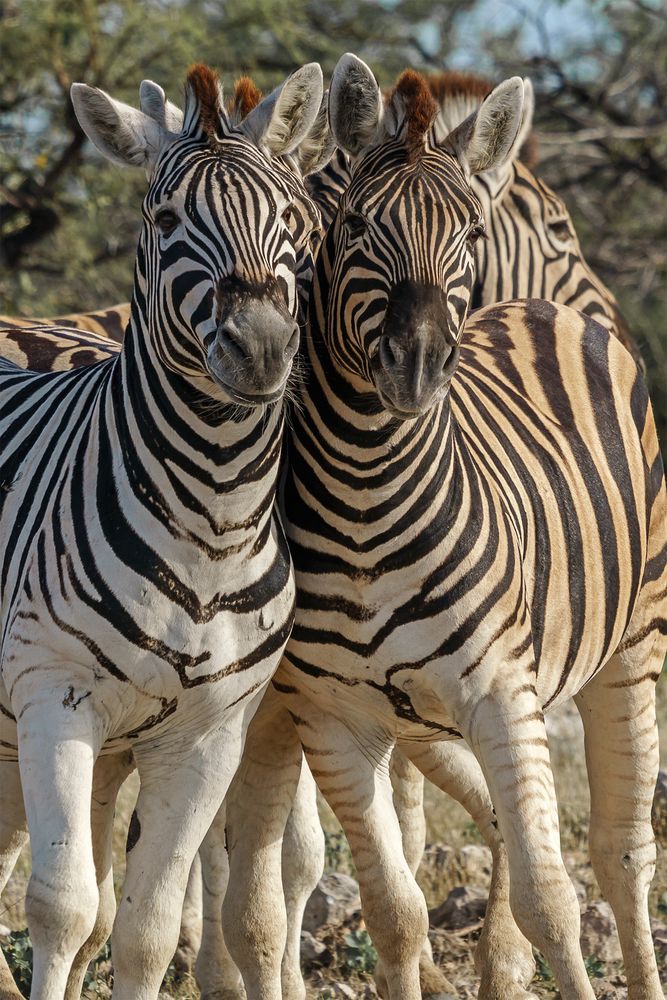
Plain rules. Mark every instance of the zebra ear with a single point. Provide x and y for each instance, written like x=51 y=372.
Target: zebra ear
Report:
x=526 y=126
x=355 y=105
x=319 y=145
x=283 y=119
x=121 y=133
x=153 y=102
x=486 y=138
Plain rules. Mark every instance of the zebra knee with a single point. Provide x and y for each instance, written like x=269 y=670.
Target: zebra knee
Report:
x=61 y=911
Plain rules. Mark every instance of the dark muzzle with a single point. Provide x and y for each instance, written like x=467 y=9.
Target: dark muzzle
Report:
x=251 y=354
x=416 y=354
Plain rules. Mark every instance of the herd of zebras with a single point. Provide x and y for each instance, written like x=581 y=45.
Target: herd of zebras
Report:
x=460 y=524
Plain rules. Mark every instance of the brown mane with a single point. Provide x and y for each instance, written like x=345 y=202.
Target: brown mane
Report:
x=246 y=97
x=452 y=83
x=205 y=85
x=420 y=107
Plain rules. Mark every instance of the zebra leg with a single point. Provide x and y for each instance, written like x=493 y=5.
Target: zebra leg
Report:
x=509 y=739
x=181 y=790
x=302 y=868
x=58 y=743
x=352 y=772
x=189 y=939
x=13 y=837
x=109 y=774
x=217 y=976
x=618 y=711
x=504 y=958
x=407 y=784
x=258 y=807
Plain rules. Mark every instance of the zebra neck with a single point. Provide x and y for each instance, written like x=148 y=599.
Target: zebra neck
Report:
x=359 y=447
x=211 y=459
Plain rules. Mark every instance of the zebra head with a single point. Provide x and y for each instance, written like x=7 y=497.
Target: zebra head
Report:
x=403 y=237
x=217 y=254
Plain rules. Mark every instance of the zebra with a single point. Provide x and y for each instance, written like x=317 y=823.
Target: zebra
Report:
x=459 y=95
x=546 y=214
x=476 y=515
x=147 y=590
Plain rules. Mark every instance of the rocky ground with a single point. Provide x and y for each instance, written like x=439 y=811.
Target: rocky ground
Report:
x=337 y=954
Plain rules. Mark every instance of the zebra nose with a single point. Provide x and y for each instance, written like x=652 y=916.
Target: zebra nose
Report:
x=276 y=342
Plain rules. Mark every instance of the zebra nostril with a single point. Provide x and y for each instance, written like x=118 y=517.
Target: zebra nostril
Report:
x=387 y=355
x=229 y=345
x=292 y=344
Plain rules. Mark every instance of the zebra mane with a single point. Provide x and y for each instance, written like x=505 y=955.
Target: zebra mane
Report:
x=245 y=98
x=413 y=108
x=460 y=94
x=204 y=106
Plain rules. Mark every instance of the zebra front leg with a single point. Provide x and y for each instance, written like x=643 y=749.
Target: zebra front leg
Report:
x=13 y=837
x=109 y=774
x=504 y=958
x=258 y=807
x=507 y=733
x=217 y=976
x=302 y=868
x=181 y=790
x=408 y=794
x=58 y=742
x=618 y=711
x=352 y=772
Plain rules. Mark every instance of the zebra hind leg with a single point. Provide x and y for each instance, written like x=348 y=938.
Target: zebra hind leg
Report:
x=108 y=775
x=182 y=787
x=217 y=976
x=302 y=867
x=504 y=957
x=13 y=836
x=618 y=711
x=258 y=807
x=407 y=784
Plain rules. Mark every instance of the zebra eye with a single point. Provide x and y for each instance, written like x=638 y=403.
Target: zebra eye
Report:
x=166 y=221
x=476 y=232
x=289 y=215
x=355 y=224
x=560 y=228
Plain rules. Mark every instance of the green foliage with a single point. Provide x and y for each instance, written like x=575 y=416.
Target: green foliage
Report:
x=337 y=854
x=17 y=949
x=358 y=953
x=594 y=967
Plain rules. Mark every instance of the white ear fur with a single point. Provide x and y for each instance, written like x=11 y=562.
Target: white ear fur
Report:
x=319 y=145
x=355 y=105
x=153 y=102
x=486 y=138
x=122 y=133
x=526 y=117
x=283 y=119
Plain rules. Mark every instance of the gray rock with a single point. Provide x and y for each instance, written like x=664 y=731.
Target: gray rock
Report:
x=465 y=905
x=335 y=899
x=312 y=950
x=609 y=988
x=476 y=863
x=599 y=937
